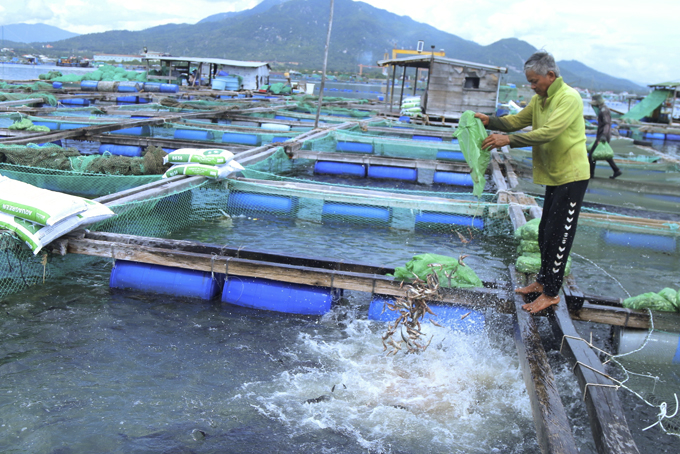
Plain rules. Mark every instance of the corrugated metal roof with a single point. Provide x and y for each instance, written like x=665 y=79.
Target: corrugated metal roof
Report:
x=423 y=60
x=666 y=84
x=215 y=61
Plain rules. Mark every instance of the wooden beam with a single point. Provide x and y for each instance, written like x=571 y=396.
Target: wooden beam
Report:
x=235 y=266
x=352 y=195
x=19 y=102
x=110 y=197
x=384 y=161
x=552 y=425
x=168 y=187
x=607 y=419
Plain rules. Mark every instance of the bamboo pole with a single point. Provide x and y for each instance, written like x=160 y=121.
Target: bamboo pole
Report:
x=325 y=64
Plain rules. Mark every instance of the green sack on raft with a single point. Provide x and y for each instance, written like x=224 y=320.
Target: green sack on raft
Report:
x=651 y=301
x=603 y=152
x=470 y=134
x=530 y=262
x=528 y=246
x=36 y=128
x=672 y=296
x=528 y=231
x=22 y=124
x=462 y=276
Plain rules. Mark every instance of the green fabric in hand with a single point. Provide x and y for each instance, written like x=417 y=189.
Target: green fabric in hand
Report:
x=470 y=134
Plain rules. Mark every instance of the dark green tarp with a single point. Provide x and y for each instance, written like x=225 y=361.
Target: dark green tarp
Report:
x=645 y=107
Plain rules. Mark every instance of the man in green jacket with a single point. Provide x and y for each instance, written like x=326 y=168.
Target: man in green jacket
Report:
x=560 y=162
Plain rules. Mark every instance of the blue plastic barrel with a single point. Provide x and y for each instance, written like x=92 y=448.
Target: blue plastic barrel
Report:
x=451 y=155
x=356 y=211
x=455 y=178
x=446 y=218
x=354 y=147
x=244 y=139
x=192 y=134
x=674 y=137
x=63 y=126
x=121 y=150
x=164 y=279
x=89 y=85
x=141 y=100
x=127 y=99
x=75 y=102
x=152 y=87
x=275 y=127
x=53 y=125
x=405 y=119
x=446 y=315
x=655 y=135
x=260 y=202
x=169 y=88
x=129 y=87
x=57 y=85
x=428 y=138
x=135 y=131
x=640 y=241
x=266 y=294
x=340 y=168
x=393 y=173
x=281 y=117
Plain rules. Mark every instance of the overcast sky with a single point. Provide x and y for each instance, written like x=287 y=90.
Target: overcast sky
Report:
x=636 y=40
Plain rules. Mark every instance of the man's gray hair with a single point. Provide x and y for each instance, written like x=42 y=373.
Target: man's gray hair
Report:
x=541 y=63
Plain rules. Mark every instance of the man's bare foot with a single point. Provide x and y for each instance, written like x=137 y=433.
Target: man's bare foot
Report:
x=542 y=302
x=531 y=288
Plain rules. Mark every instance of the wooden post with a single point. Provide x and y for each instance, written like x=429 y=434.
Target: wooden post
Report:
x=403 y=83
x=325 y=63
x=427 y=87
x=394 y=75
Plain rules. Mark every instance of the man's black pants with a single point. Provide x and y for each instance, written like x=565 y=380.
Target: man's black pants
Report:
x=556 y=232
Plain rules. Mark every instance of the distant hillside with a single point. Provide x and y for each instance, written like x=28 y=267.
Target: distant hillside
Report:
x=34 y=33
x=260 y=8
x=293 y=32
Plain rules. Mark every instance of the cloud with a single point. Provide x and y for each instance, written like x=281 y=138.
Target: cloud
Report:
x=618 y=38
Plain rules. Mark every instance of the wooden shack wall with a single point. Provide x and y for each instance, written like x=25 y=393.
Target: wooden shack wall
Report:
x=447 y=97
x=253 y=78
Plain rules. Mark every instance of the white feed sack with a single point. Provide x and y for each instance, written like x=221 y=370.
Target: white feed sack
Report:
x=35 y=204
x=217 y=172
x=37 y=236
x=211 y=157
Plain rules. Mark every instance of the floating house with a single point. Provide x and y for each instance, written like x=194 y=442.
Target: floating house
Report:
x=251 y=73
x=452 y=86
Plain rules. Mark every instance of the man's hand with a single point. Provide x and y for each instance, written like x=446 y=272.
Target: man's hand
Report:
x=495 y=141
x=484 y=118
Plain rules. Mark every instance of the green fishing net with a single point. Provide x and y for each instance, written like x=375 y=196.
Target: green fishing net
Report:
x=470 y=134
x=449 y=270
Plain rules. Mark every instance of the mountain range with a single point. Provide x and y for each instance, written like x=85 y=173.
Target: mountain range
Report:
x=293 y=32
x=27 y=33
